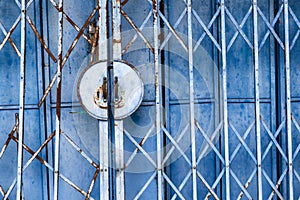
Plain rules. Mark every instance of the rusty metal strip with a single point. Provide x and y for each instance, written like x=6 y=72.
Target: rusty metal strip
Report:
x=2 y=191
x=84 y=155
x=208 y=187
x=10 y=40
x=141 y=143
x=124 y=3
x=11 y=30
x=48 y=89
x=88 y=195
x=58 y=100
x=31 y=24
x=249 y=181
x=124 y=50
x=80 y=33
x=34 y=155
x=72 y=22
x=14 y=129
x=137 y=30
x=29 y=150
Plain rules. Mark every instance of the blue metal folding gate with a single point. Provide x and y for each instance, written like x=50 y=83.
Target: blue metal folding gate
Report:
x=220 y=113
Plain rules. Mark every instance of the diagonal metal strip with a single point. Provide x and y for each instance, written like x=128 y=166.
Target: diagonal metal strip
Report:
x=14 y=129
x=64 y=60
x=69 y=182
x=183 y=183
x=140 y=148
x=209 y=142
x=172 y=185
x=166 y=40
x=212 y=138
x=172 y=29
x=298 y=31
x=273 y=24
x=297 y=175
x=217 y=13
x=249 y=181
x=82 y=153
x=176 y=145
x=137 y=30
x=206 y=30
x=124 y=50
x=240 y=145
x=281 y=178
x=296 y=152
x=270 y=28
x=30 y=22
x=71 y=22
x=274 y=140
x=216 y=182
x=88 y=194
x=34 y=155
x=2 y=191
x=210 y=189
x=238 y=28
x=173 y=147
x=242 y=141
x=11 y=30
x=240 y=184
x=142 y=190
x=10 y=40
x=272 y=184
x=142 y=142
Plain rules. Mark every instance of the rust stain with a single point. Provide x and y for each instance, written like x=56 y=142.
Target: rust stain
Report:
x=154 y=5
x=116 y=41
x=29 y=150
x=124 y=2
x=41 y=39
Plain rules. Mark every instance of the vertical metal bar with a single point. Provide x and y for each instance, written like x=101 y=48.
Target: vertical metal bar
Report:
x=224 y=94
x=21 y=101
x=155 y=7
x=117 y=49
x=273 y=93
x=116 y=29
x=103 y=133
x=257 y=100
x=110 y=101
x=58 y=99
x=288 y=98
x=48 y=122
x=192 y=101
x=40 y=83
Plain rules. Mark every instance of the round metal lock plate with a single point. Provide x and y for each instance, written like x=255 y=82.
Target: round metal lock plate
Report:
x=92 y=89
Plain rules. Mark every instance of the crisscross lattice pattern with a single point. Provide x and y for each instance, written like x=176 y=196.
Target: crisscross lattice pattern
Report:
x=219 y=118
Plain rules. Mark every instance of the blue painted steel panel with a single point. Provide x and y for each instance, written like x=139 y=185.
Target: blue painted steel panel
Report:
x=175 y=98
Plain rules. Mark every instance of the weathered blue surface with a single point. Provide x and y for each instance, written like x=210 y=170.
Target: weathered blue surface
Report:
x=40 y=122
